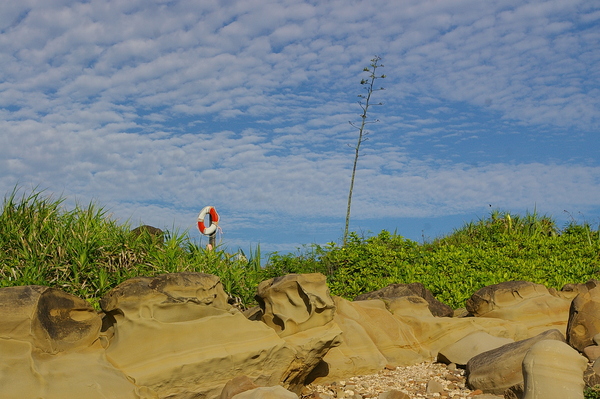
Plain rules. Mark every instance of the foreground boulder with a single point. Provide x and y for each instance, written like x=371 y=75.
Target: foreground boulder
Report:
x=553 y=370
x=463 y=350
x=177 y=334
x=50 y=348
x=524 y=302
x=392 y=291
x=584 y=323
x=295 y=303
x=497 y=370
x=301 y=310
x=399 y=332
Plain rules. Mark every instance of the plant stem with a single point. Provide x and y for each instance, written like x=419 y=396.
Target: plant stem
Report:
x=361 y=131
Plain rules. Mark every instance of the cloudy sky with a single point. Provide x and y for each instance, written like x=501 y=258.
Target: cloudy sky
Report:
x=155 y=109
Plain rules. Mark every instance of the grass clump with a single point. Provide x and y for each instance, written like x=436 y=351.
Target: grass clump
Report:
x=86 y=253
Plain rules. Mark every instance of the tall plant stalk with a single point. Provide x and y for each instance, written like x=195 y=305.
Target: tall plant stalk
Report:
x=365 y=103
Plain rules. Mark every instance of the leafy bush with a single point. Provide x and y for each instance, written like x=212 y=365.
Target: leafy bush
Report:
x=500 y=248
x=592 y=392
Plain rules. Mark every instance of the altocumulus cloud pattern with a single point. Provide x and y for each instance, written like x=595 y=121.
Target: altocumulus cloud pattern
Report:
x=155 y=109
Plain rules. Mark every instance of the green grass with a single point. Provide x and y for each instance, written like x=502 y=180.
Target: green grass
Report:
x=85 y=252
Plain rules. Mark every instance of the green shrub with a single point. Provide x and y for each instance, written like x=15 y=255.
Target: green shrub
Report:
x=592 y=392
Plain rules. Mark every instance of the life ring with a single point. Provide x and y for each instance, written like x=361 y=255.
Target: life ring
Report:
x=214 y=220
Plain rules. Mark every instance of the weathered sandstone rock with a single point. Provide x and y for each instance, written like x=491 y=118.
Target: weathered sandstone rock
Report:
x=592 y=352
x=237 y=385
x=310 y=347
x=49 y=319
x=530 y=304
x=570 y=291
x=398 y=332
x=295 y=302
x=50 y=348
x=147 y=232
x=584 y=322
x=591 y=375
x=436 y=307
x=176 y=334
x=435 y=333
x=514 y=392
x=497 y=370
x=275 y=392
x=461 y=351
x=553 y=370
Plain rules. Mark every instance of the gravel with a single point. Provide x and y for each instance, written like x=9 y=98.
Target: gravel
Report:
x=426 y=380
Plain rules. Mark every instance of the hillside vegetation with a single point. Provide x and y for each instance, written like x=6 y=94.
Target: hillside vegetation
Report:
x=85 y=252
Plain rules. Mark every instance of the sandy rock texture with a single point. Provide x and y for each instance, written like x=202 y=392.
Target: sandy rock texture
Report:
x=176 y=336
x=50 y=348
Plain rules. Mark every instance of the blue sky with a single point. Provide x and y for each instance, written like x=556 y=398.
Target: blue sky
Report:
x=155 y=109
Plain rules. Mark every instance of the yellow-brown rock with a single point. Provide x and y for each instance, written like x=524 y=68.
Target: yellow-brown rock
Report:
x=50 y=348
x=177 y=335
x=497 y=370
x=399 y=332
x=295 y=302
x=584 y=322
x=521 y=301
x=553 y=370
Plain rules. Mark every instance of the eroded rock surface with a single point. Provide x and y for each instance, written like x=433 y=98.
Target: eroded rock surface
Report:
x=584 y=322
x=50 y=348
x=176 y=334
x=436 y=307
x=399 y=332
x=295 y=303
x=497 y=370
x=521 y=301
x=553 y=370
x=461 y=351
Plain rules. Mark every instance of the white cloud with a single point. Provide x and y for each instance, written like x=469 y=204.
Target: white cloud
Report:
x=159 y=108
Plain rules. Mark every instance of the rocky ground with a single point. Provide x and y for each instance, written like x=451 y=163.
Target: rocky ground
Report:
x=425 y=381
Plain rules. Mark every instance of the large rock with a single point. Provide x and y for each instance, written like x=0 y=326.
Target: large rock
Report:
x=436 y=307
x=497 y=370
x=436 y=333
x=528 y=303
x=237 y=385
x=301 y=310
x=553 y=370
x=176 y=334
x=570 y=291
x=50 y=348
x=398 y=332
x=49 y=319
x=276 y=392
x=461 y=351
x=295 y=302
x=584 y=322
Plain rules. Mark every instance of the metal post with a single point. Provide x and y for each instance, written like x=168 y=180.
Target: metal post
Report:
x=212 y=238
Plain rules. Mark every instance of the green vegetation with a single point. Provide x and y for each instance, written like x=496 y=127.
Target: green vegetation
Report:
x=84 y=252
x=592 y=392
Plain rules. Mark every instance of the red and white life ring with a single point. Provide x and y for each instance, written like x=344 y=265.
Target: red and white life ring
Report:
x=214 y=220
